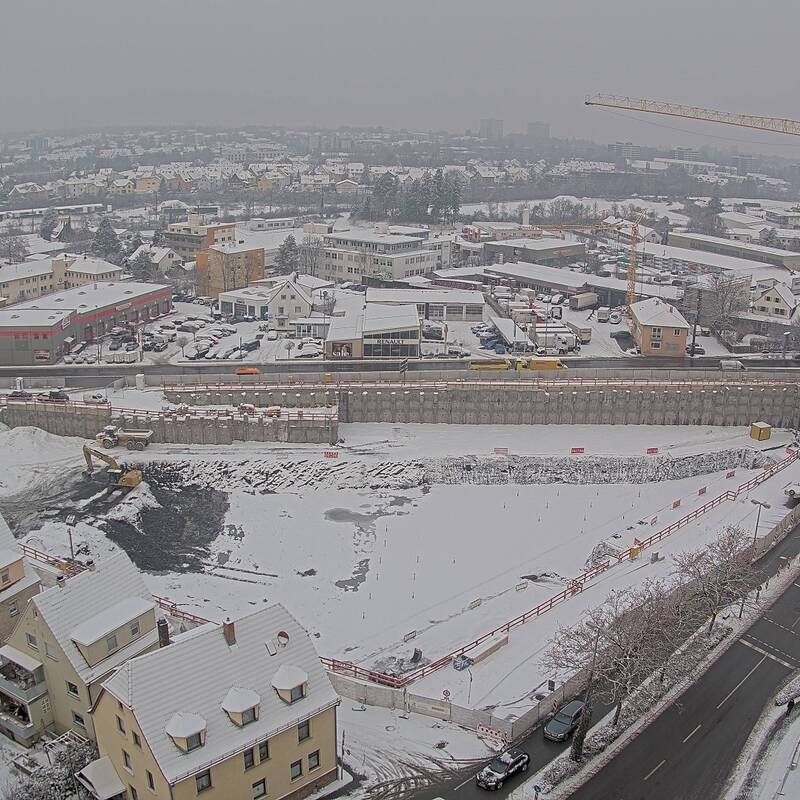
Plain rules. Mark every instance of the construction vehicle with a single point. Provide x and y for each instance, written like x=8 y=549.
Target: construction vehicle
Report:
x=133 y=439
x=124 y=480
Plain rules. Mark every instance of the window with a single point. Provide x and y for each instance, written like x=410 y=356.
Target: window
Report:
x=4 y=576
x=203 y=780
x=655 y=333
x=31 y=640
x=297 y=693
x=49 y=653
x=78 y=719
x=134 y=793
x=249 y=758
x=72 y=689
x=120 y=725
x=313 y=760
x=304 y=731
x=151 y=784
x=676 y=331
x=248 y=715
x=46 y=704
x=126 y=760
x=134 y=629
x=13 y=609
x=111 y=643
x=655 y=345
x=259 y=789
x=136 y=739
x=263 y=751
x=193 y=742
x=296 y=770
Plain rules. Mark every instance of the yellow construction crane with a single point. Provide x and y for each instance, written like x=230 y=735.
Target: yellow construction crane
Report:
x=790 y=127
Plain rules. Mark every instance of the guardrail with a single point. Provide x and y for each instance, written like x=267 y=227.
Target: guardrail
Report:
x=172 y=609
x=574 y=587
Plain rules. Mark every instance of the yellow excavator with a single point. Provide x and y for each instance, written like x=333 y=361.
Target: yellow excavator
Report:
x=120 y=479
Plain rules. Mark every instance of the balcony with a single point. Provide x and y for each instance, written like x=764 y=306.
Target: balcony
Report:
x=21 y=677
x=16 y=721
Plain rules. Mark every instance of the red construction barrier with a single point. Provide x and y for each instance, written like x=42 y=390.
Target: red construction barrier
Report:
x=652 y=451
x=501 y=451
x=331 y=453
x=676 y=503
x=577 y=451
x=702 y=490
x=730 y=473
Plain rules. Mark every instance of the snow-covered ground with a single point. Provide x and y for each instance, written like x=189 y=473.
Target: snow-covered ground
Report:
x=398 y=535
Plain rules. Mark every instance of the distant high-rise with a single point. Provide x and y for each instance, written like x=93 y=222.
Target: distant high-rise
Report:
x=744 y=163
x=492 y=129
x=624 y=151
x=538 y=131
x=686 y=153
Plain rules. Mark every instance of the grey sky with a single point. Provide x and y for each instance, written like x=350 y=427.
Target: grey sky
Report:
x=423 y=64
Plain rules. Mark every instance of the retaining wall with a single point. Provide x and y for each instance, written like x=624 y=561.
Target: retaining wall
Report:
x=65 y=419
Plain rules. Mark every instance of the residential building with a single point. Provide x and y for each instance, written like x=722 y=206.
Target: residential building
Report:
x=224 y=267
x=751 y=252
x=356 y=254
x=624 y=151
x=783 y=219
x=624 y=230
x=68 y=640
x=681 y=153
x=546 y=251
x=148 y=183
x=659 y=328
x=122 y=186
x=188 y=238
x=776 y=301
x=238 y=710
x=31 y=193
x=281 y=304
x=18 y=583
x=162 y=258
x=434 y=304
x=274 y=224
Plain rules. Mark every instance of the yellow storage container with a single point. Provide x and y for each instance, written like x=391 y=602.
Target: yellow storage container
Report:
x=760 y=431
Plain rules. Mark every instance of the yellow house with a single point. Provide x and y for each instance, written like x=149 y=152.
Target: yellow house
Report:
x=68 y=640
x=18 y=583
x=238 y=710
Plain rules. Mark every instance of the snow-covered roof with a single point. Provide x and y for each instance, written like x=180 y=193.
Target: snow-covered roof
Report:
x=288 y=677
x=92 y=297
x=455 y=296
x=101 y=779
x=85 y=596
x=238 y=700
x=27 y=269
x=208 y=667
x=9 y=556
x=182 y=725
x=381 y=318
x=109 y=619
x=95 y=266
x=655 y=312
x=543 y=244
x=16 y=317
x=717 y=241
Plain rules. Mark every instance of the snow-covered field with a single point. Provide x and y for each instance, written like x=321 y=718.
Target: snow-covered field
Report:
x=414 y=528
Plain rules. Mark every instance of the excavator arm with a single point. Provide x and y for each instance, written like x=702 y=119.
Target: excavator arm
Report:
x=89 y=454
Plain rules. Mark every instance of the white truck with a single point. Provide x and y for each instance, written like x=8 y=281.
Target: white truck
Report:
x=603 y=314
x=583 y=300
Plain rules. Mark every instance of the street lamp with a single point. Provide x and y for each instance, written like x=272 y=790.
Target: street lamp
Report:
x=71 y=519
x=786 y=335
x=761 y=504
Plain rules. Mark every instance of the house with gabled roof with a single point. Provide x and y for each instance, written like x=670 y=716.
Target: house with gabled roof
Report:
x=68 y=640
x=243 y=709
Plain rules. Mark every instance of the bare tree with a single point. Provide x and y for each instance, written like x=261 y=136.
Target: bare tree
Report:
x=288 y=346
x=312 y=251
x=716 y=575
x=13 y=247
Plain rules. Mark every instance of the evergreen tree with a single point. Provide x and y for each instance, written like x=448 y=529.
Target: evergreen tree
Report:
x=142 y=268
x=48 y=224
x=385 y=192
x=106 y=243
x=287 y=258
x=769 y=238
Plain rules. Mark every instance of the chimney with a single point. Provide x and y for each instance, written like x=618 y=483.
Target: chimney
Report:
x=60 y=580
x=229 y=631
x=163 y=633
x=90 y=565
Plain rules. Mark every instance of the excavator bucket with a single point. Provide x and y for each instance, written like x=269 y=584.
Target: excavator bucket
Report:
x=131 y=479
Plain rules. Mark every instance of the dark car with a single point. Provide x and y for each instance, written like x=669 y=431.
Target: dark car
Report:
x=695 y=350
x=564 y=722
x=148 y=344
x=53 y=396
x=131 y=346
x=502 y=767
x=114 y=344
x=619 y=334
x=19 y=394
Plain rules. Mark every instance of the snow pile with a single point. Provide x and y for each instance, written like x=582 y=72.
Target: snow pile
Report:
x=273 y=476
x=130 y=509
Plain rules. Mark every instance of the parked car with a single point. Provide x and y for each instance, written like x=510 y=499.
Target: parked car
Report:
x=615 y=318
x=114 y=344
x=130 y=347
x=620 y=334
x=159 y=347
x=251 y=344
x=695 y=350
x=19 y=394
x=462 y=662
x=148 y=345
x=53 y=396
x=502 y=767
x=564 y=722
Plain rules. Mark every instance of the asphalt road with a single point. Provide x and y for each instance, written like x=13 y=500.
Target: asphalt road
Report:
x=79 y=374
x=688 y=752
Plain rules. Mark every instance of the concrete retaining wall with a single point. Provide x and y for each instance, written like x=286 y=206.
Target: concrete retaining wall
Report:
x=61 y=419
x=530 y=405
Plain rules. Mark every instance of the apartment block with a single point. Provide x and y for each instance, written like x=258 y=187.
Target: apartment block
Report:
x=353 y=255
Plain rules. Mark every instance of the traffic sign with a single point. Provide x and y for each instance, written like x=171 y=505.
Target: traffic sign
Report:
x=446 y=694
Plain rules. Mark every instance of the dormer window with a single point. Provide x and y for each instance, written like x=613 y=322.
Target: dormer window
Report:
x=241 y=705
x=291 y=683
x=187 y=731
x=297 y=693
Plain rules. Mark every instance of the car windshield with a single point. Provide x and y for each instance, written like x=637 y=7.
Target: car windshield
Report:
x=497 y=766
x=562 y=718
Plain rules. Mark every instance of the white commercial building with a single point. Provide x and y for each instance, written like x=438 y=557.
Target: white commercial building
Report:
x=435 y=304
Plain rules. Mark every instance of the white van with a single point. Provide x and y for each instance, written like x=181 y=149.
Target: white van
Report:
x=557 y=299
x=729 y=365
x=603 y=314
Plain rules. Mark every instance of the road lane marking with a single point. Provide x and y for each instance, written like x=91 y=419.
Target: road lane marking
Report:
x=738 y=685
x=766 y=652
x=657 y=767
x=461 y=785
x=783 y=627
x=692 y=733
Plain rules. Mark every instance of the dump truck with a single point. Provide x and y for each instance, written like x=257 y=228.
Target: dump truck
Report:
x=133 y=439
x=125 y=480
x=583 y=300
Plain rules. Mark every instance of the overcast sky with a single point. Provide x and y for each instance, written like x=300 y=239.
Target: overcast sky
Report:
x=420 y=64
